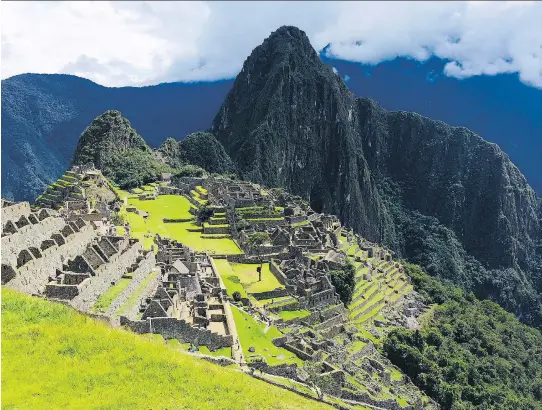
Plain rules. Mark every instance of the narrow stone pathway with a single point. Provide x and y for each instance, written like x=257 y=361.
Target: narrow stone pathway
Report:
x=236 y=349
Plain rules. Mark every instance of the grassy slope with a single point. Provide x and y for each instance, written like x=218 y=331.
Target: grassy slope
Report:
x=230 y=279
x=54 y=357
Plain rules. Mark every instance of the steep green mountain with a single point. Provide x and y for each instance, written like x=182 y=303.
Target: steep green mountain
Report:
x=434 y=193
x=201 y=149
x=113 y=146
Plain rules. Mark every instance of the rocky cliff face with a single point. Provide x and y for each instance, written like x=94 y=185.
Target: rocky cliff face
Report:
x=290 y=121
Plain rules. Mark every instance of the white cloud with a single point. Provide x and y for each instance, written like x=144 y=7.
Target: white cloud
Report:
x=136 y=43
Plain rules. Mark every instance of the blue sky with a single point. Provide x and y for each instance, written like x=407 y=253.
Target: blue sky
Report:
x=141 y=43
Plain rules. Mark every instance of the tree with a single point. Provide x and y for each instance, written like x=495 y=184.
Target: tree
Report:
x=117 y=219
x=254 y=243
x=344 y=281
x=204 y=213
x=237 y=296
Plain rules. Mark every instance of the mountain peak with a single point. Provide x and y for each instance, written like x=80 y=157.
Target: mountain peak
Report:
x=107 y=134
x=288 y=45
x=288 y=33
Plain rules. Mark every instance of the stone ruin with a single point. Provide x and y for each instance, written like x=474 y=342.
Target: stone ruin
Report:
x=189 y=301
x=307 y=280
x=61 y=258
x=69 y=255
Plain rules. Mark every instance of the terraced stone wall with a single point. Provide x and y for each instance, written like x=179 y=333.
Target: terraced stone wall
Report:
x=171 y=328
x=14 y=212
x=32 y=276
x=110 y=272
x=275 y=293
x=144 y=268
x=31 y=235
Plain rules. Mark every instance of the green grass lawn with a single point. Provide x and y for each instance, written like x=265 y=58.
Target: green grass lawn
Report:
x=164 y=206
x=246 y=272
x=293 y=314
x=225 y=351
x=173 y=207
x=221 y=246
x=230 y=279
x=56 y=358
x=252 y=333
x=105 y=299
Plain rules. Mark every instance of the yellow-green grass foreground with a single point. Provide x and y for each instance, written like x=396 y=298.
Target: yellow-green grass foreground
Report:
x=56 y=358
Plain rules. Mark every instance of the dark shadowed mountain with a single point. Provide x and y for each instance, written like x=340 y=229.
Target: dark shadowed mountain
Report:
x=500 y=108
x=43 y=115
x=439 y=195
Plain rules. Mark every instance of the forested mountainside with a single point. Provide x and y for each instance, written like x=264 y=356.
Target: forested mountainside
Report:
x=43 y=116
x=201 y=149
x=469 y=353
x=290 y=121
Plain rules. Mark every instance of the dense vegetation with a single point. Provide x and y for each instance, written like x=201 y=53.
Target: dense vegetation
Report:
x=424 y=241
x=54 y=357
x=132 y=168
x=344 y=280
x=469 y=353
x=201 y=149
